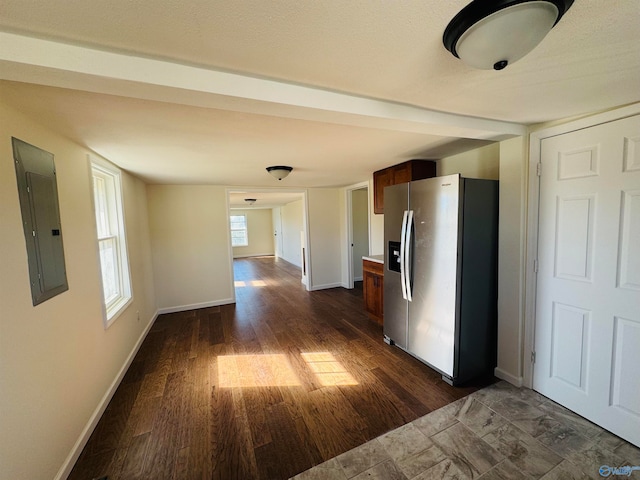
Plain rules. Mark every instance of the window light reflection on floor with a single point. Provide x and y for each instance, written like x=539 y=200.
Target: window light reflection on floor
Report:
x=274 y=370
x=266 y=370
x=253 y=283
x=329 y=371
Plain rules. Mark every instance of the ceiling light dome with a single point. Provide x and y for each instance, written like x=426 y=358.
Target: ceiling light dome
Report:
x=279 y=171
x=491 y=34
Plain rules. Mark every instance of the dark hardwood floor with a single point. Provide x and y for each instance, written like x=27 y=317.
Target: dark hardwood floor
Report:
x=264 y=389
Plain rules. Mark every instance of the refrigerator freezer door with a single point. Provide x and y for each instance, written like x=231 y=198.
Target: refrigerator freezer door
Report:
x=432 y=311
x=396 y=200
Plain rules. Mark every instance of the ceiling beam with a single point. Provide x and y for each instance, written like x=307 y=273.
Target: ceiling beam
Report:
x=45 y=62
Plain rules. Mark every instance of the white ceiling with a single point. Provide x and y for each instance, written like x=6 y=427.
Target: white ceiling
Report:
x=264 y=199
x=215 y=91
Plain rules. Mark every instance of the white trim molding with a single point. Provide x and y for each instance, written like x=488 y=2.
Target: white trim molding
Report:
x=507 y=377
x=269 y=254
x=195 y=306
x=326 y=286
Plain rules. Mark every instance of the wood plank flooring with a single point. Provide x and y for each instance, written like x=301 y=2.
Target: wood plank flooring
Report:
x=264 y=389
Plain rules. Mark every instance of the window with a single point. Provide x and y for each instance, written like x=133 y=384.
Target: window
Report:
x=112 y=247
x=239 y=237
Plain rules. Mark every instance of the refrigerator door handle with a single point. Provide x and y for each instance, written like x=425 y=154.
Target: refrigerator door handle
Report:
x=403 y=233
x=407 y=257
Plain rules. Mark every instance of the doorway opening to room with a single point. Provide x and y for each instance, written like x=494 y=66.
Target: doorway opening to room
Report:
x=357 y=203
x=268 y=229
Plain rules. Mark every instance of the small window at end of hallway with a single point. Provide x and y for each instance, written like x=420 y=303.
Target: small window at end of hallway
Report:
x=112 y=245
x=239 y=237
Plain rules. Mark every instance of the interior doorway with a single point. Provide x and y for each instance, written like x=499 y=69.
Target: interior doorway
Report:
x=278 y=237
x=268 y=222
x=357 y=202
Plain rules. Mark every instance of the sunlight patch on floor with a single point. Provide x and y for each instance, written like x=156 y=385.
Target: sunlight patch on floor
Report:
x=274 y=370
x=329 y=371
x=267 y=370
x=253 y=283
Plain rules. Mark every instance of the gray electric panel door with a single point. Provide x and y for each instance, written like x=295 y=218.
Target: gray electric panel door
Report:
x=36 y=177
x=432 y=312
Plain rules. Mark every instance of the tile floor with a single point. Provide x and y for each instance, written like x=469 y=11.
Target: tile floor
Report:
x=497 y=433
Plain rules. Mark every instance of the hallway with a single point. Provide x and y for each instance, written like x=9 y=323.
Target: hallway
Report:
x=264 y=389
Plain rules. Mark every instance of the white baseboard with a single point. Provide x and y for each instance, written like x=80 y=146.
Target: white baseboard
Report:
x=195 y=306
x=357 y=279
x=291 y=262
x=71 y=460
x=507 y=377
x=271 y=254
x=326 y=285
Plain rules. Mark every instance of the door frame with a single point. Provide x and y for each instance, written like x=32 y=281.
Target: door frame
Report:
x=533 y=199
x=278 y=245
x=348 y=191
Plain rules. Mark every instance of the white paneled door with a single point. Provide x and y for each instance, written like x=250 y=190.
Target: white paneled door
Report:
x=587 y=334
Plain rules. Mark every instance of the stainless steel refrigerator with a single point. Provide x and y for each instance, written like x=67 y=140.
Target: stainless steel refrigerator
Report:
x=440 y=278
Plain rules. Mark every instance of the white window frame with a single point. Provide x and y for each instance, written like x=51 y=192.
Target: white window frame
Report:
x=111 y=229
x=245 y=229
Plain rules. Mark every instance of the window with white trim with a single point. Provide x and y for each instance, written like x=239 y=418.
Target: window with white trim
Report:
x=239 y=236
x=112 y=246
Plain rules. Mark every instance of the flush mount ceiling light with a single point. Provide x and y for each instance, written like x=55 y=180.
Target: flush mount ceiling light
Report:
x=279 y=171
x=490 y=34
x=250 y=201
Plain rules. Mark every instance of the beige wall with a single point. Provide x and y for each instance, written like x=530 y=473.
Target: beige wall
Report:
x=260 y=232
x=325 y=221
x=511 y=266
x=481 y=162
x=190 y=245
x=57 y=362
x=292 y=215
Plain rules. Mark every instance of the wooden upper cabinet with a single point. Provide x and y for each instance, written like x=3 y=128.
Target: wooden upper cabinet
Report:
x=381 y=179
x=401 y=173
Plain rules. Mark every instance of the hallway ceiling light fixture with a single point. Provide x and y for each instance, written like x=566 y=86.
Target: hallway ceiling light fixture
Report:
x=251 y=201
x=279 y=171
x=491 y=34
